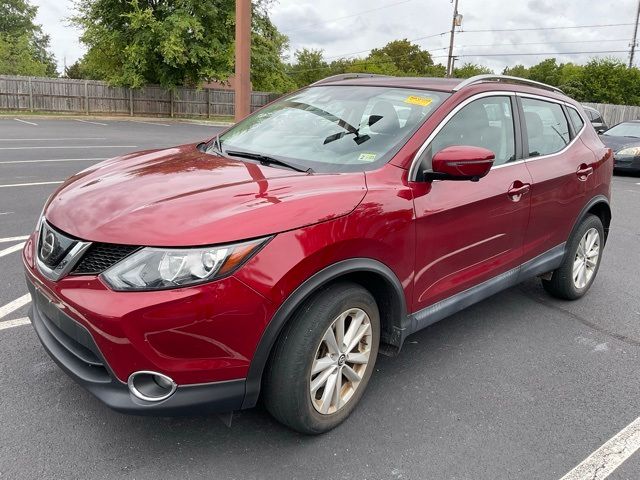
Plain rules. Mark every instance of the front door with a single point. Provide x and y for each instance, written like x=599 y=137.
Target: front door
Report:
x=469 y=232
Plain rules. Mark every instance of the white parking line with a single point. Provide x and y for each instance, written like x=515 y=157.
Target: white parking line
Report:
x=29 y=184
x=55 y=160
x=14 y=305
x=92 y=123
x=11 y=249
x=49 y=147
x=18 y=322
x=601 y=463
x=150 y=123
x=13 y=239
x=49 y=139
x=24 y=121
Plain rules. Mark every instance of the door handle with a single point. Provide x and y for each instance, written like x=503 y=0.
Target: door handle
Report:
x=584 y=171
x=517 y=190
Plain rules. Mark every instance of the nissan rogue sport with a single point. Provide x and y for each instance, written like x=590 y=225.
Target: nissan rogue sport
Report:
x=279 y=258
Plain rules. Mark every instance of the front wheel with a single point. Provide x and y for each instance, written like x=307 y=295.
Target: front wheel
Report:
x=323 y=360
x=582 y=261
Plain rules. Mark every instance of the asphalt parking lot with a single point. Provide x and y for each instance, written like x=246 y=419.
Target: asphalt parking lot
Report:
x=520 y=386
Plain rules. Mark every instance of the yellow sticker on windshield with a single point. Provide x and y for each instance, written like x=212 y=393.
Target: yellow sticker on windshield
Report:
x=422 y=101
x=367 y=157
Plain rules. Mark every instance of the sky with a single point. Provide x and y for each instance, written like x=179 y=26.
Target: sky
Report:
x=342 y=28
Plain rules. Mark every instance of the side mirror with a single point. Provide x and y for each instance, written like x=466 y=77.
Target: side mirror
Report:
x=601 y=130
x=461 y=163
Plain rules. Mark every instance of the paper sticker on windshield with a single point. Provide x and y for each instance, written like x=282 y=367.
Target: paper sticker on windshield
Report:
x=367 y=157
x=422 y=101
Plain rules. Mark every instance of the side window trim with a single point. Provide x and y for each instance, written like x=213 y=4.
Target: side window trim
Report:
x=415 y=162
x=577 y=112
x=572 y=128
x=523 y=129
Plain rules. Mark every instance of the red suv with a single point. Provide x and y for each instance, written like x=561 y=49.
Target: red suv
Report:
x=279 y=258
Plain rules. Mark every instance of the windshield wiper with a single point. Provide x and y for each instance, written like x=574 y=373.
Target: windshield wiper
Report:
x=350 y=129
x=217 y=145
x=266 y=160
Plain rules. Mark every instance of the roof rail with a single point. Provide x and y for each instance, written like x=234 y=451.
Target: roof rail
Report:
x=349 y=76
x=505 y=79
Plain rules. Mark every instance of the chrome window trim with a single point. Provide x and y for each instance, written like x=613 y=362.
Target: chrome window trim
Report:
x=573 y=140
x=415 y=162
x=498 y=93
x=66 y=264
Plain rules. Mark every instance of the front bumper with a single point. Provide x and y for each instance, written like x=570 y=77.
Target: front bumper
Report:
x=72 y=347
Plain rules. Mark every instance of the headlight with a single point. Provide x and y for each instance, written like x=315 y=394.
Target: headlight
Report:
x=163 y=268
x=630 y=152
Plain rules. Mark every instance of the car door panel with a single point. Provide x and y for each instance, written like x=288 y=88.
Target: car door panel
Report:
x=560 y=182
x=469 y=232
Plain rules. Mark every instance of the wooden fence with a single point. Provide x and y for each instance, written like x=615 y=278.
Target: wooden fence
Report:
x=614 y=114
x=92 y=97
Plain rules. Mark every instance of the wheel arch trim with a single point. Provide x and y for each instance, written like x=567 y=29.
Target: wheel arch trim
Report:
x=299 y=295
x=597 y=200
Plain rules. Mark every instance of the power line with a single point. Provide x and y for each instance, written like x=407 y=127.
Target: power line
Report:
x=546 y=28
x=343 y=55
x=541 y=43
x=518 y=54
x=306 y=27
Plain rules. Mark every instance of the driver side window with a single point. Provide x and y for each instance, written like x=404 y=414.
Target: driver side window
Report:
x=486 y=123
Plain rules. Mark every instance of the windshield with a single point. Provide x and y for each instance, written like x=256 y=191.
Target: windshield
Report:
x=624 y=130
x=334 y=128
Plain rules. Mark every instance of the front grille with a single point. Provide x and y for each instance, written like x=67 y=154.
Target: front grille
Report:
x=101 y=256
x=53 y=245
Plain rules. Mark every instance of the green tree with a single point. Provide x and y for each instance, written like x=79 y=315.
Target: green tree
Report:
x=610 y=81
x=24 y=48
x=517 y=71
x=309 y=67
x=468 y=70
x=547 y=71
x=182 y=42
x=268 y=71
x=408 y=58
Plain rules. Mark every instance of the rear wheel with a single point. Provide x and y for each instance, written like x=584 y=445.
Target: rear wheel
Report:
x=323 y=360
x=582 y=261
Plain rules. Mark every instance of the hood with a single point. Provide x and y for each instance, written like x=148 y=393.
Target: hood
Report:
x=618 y=143
x=183 y=197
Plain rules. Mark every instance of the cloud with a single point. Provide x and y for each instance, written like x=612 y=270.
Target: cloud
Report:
x=319 y=24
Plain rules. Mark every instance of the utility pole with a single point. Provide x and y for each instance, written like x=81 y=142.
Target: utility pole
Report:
x=635 y=38
x=457 y=20
x=243 y=59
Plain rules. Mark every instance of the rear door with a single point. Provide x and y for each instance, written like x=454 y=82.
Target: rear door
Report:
x=560 y=166
x=469 y=232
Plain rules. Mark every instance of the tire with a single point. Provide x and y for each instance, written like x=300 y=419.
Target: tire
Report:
x=564 y=284
x=288 y=380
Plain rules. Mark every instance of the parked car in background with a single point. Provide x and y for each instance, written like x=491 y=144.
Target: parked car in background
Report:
x=624 y=140
x=595 y=117
x=278 y=258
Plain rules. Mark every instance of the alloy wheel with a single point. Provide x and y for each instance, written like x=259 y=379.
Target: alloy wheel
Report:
x=586 y=259
x=340 y=361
